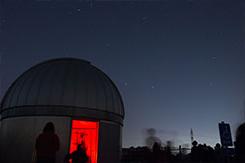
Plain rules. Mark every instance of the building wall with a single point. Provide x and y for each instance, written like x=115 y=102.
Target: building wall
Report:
x=18 y=137
x=109 y=142
x=19 y=134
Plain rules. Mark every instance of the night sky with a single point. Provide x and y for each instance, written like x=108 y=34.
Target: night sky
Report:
x=179 y=64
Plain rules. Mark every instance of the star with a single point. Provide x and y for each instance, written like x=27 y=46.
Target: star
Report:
x=214 y=59
x=108 y=45
x=70 y=13
x=144 y=19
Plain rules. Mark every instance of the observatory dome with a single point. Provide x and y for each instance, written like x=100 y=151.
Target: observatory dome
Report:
x=65 y=86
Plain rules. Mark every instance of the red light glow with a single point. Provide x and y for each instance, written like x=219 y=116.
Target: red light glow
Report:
x=85 y=133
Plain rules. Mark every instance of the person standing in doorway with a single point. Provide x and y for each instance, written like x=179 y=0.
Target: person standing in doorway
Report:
x=78 y=156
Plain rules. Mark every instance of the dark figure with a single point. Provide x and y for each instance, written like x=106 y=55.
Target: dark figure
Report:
x=156 y=149
x=219 y=154
x=47 y=144
x=194 y=152
x=168 y=152
x=78 y=156
x=240 y=143
x=151 y=138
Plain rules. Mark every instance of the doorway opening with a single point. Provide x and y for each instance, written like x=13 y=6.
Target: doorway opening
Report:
x=86 y=134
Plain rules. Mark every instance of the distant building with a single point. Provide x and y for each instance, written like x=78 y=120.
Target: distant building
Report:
x=82 y=102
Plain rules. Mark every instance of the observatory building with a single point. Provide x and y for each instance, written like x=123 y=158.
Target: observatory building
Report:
x=82 y=102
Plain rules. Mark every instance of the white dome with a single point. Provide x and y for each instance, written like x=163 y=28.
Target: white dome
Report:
x=64 y=83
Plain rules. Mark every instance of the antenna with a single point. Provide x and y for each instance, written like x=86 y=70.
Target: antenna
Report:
x=1 y=91
x=243 y=112
x=1 y=56
x=192 y=137
x=2 y=22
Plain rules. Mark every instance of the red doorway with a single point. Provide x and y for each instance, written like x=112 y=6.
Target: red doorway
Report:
x=85 y=133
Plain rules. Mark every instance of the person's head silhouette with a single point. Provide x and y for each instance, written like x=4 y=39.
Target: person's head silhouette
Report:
x=49 y=127
x=79 y=147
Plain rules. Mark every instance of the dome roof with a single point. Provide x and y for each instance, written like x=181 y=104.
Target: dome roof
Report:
x=65 y=82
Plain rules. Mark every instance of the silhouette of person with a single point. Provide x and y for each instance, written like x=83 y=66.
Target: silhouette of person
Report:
x=78 y=156
x=157 y=152
x=194 y=152
x=151 y=138
x=47 y=144
x=240 y=143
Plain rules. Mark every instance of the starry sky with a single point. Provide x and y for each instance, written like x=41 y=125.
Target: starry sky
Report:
x=179 y=64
